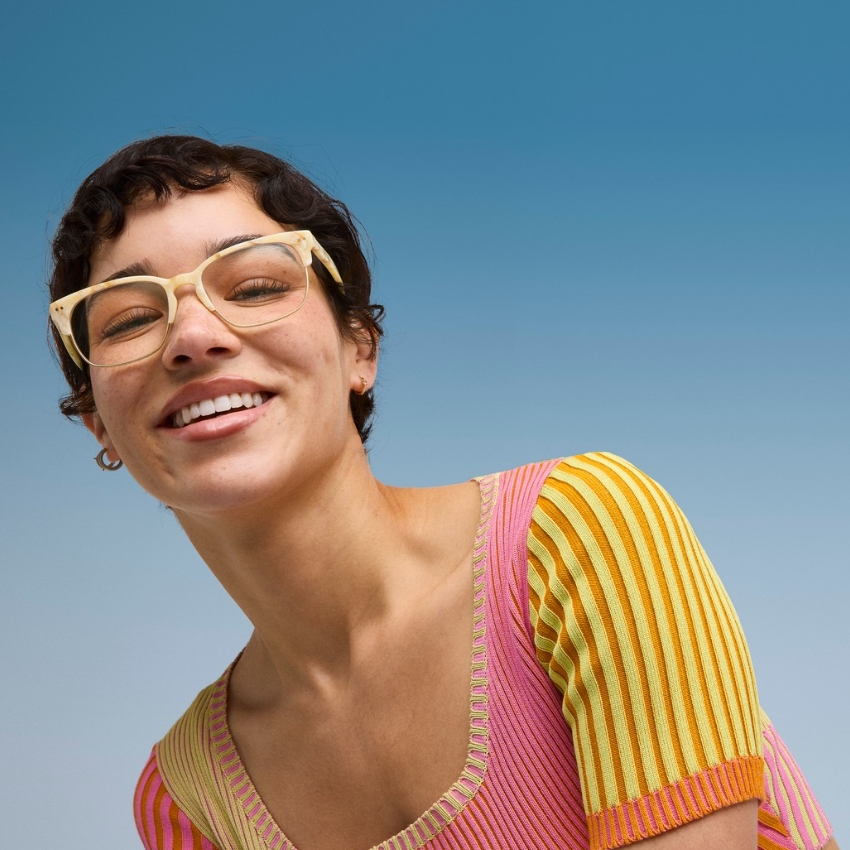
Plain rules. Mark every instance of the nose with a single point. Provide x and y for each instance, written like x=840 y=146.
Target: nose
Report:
x=197 y=334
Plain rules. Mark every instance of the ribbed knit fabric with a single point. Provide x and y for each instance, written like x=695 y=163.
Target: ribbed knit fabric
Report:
x=638 y=634
x=612 y=700
x=789 y=817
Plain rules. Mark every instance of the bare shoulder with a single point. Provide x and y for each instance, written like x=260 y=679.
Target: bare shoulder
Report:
x=439 y=522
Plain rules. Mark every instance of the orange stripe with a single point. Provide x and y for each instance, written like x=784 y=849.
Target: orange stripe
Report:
x=144 y=823
x=157 y=822
x=173 y=816
x=765 y=843
x=772 y=821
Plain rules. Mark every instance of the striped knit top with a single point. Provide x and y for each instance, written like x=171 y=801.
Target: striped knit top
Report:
x=611 y=692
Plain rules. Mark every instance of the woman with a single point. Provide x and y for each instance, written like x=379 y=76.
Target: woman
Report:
x=609 y=699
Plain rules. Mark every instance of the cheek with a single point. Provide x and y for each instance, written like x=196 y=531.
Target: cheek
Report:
x=313 y=345
x=114 y=398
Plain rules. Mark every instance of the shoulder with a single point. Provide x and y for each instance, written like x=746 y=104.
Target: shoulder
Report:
x=194 y=720
x=578 y=497
x=595 y=478
x=182 y=763
x=602 y=495
x=605 y=533
x=183 y=754
x=603 y=472
x=600 y=464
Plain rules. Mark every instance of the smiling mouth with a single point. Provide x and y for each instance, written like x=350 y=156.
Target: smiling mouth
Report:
x=221 y=405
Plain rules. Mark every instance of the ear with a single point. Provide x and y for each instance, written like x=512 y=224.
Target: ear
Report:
x=94 y=423
x=365 y=362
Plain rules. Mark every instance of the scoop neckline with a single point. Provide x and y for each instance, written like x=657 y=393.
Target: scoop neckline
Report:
x=451 y=803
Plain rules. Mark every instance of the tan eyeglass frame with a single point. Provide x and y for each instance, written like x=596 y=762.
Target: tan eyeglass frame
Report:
x=302 y=241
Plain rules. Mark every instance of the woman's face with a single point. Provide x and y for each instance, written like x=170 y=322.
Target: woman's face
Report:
x=301 y=368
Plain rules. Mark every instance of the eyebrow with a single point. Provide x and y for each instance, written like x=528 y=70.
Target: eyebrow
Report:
x=133 y=270
x=221 y=244
x=144 y=268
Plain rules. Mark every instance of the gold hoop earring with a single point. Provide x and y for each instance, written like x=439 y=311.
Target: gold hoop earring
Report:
x=364 y=386
x=114 y=466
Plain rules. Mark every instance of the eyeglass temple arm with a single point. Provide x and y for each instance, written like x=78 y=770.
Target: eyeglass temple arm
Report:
x=327 y=262
x=60 y=321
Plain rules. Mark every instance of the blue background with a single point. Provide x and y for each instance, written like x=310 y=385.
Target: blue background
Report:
x=614 y=225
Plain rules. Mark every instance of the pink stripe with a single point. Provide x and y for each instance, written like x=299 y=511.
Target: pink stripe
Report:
x=143 y=805
x=161 y=814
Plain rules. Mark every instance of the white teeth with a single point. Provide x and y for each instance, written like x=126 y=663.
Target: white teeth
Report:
x=219 y=404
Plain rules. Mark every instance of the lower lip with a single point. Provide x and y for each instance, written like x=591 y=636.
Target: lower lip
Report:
x=221 y=426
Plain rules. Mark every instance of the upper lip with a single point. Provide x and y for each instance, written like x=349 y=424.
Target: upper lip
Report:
x=197 y=391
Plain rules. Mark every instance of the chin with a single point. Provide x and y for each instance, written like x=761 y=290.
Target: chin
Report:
x=238 y=487
x=223 y=496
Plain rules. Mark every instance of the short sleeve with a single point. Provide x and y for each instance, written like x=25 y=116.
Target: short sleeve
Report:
x=636 y=631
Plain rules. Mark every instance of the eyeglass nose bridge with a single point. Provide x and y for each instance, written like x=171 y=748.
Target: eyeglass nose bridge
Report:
x=192 y=279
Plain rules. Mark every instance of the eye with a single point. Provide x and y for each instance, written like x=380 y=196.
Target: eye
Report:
x=129 y=322
x=259 y=289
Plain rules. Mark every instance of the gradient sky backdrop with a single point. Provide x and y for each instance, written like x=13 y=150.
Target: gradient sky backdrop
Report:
x=613 y=225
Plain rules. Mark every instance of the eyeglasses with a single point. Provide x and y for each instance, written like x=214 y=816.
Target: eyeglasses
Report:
x=247 y=285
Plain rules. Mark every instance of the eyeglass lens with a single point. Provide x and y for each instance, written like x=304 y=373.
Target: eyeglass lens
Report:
x=254 y=286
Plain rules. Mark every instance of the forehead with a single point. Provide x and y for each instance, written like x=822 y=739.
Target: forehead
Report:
x=173 y=237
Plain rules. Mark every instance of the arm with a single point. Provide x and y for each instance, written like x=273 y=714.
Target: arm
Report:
x=635 y=629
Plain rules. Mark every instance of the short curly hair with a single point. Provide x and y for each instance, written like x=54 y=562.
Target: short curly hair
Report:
x=164 y=165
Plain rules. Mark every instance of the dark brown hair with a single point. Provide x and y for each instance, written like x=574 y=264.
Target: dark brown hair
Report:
x=159 y=167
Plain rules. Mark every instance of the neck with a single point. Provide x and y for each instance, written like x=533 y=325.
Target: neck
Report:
x=329 y=562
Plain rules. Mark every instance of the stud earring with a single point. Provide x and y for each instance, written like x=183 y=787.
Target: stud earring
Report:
x=103 y=463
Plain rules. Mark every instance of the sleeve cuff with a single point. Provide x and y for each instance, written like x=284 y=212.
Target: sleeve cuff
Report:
x=690 y=798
